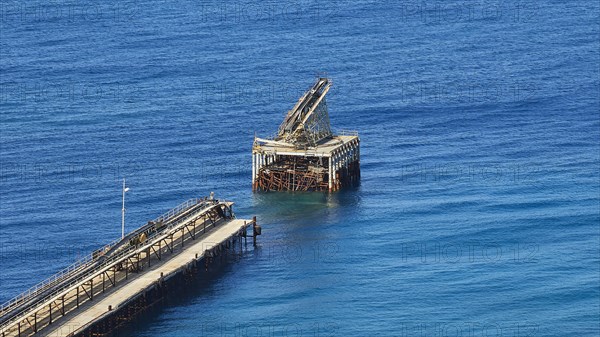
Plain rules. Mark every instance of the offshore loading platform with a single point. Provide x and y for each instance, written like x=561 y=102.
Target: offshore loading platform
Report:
x=108 y=288
x=305 y=155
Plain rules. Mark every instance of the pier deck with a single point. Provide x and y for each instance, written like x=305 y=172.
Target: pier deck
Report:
x=112 y=286
x=326 y=148
x=119 y=297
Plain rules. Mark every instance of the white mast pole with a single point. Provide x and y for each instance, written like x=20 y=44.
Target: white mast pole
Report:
x=125 y=189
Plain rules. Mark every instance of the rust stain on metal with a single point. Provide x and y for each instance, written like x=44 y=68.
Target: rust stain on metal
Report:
x=306 y=155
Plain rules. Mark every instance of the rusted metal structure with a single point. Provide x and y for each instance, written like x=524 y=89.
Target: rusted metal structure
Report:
x=112 y=285
x=305 y=155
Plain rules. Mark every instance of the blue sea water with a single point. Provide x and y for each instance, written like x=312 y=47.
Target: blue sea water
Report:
x=478 y=212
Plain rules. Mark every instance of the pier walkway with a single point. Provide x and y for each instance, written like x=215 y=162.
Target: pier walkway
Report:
x=117 y=275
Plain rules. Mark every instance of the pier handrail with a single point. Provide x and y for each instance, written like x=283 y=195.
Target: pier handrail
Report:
x=340 y=132
x=347 y=132
x=87 y=259
x=113 y=258
x=45 y=283
x=179 y=208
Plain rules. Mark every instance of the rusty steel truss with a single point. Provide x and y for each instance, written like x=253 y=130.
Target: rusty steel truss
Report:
x=308 y=121
x=305 y=155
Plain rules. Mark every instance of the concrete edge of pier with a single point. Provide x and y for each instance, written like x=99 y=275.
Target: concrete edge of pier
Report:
x=124 y=302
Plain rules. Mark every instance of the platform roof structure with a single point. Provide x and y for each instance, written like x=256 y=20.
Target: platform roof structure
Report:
x=325 y=148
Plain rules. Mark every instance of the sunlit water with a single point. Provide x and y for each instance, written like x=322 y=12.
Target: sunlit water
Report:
x=478 y=209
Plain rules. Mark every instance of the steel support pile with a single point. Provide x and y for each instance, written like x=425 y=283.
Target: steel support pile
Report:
x=305 y=172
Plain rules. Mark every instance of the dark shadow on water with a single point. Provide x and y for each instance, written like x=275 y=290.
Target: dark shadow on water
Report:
x=279 y=206
x=201 y=284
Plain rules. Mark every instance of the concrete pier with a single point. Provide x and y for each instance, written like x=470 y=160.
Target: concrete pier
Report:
x=117 y=284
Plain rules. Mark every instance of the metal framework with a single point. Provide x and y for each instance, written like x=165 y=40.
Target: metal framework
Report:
x=34 y=310
x=306 y=155
x=307 y=123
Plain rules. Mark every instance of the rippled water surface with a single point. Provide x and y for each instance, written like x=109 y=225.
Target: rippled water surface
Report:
x=478 y=210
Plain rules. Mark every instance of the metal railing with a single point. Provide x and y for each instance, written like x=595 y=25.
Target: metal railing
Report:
x=180 y=208
x=341 y=132
x=85 y=261
x=45 y=284
x=118 y=256
x=346 y=133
